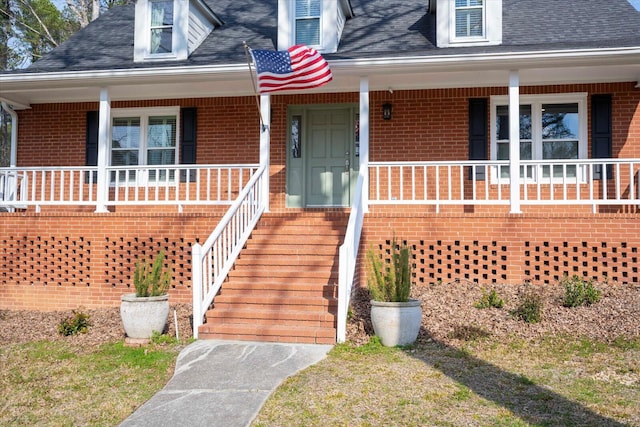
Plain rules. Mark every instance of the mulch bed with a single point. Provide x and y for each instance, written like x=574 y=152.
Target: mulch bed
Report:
x=449 y=315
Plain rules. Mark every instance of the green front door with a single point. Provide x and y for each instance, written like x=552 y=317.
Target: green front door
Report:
x=328 y=157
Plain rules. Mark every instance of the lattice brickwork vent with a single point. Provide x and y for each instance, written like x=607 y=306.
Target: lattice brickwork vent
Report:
x=597 y=261
x=42 y=260
x=454 y=260
x=122 y=253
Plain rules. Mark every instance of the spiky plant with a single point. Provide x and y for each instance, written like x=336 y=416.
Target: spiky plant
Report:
x=151 y=280
x=390 y=283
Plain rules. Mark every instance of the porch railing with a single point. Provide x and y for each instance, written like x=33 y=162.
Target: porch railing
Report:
x=212 y=261
x=543 y=182
x=348 y=259
x=132 y=185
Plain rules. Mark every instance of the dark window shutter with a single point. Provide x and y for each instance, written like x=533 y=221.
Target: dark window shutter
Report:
x=91 y=147
x=478 y=133
x=601 y=132
x=188 y=140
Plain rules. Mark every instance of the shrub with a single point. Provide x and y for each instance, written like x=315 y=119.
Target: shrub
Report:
x=151 y=280
x=78 y=323
x=488 y=300
x=390 y=283
x=579 y=292
x=530 y=308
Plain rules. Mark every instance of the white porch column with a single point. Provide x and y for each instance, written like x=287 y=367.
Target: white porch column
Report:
x=364 y=141
x=265 y=145
x=13 y=160
x=514 y=140
x=104 y=135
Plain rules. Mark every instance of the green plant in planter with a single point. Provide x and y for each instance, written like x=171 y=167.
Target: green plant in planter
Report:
x=390 y=283
x=152 y=280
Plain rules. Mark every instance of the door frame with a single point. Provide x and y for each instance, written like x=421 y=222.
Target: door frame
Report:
x=296 y=167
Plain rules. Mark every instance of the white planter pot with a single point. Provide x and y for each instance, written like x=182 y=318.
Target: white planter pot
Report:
x=141 y=316
x=396 y=323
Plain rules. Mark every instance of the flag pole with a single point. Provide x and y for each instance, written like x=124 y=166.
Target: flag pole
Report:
x=255 y=89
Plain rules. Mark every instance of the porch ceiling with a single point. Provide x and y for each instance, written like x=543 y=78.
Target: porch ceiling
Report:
x=24 y=89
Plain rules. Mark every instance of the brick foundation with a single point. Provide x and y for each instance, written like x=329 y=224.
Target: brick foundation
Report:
x=488 y=248
x=62 y=261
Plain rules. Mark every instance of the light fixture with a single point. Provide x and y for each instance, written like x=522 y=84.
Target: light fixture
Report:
x=386 y=110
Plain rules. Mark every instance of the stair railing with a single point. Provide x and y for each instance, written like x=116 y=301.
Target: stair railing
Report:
x=212 y=261
x=348 y=259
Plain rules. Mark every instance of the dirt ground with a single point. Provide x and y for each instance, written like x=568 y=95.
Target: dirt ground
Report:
x=448 y=313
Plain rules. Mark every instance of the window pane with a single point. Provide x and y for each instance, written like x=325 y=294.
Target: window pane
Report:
x=560 y=150
x=308 y=31
x=305 y=8
x=161 y=157
x=161 y=40
x=162 y=131
x=502 y=122
x=124 y=158
x=469 y=23
x=295 y=136
x=125 y=133
x=465 y=3
x=161 y=13
x=560 y=121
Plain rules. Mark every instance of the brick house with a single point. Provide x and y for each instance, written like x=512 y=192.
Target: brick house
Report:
x=143 y=132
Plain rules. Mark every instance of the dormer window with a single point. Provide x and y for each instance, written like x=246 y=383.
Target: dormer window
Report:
x=161 y=26
x=171 y=29
x=469 y=16
x=307 y=22
x=316 y=23
x=468 y=22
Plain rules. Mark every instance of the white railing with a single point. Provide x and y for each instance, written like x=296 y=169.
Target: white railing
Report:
x=212 y=261
x=177 y=185
x=132 y=185
x=571 y=182
x=12 y=189
x=348 y=259
x=53 y=185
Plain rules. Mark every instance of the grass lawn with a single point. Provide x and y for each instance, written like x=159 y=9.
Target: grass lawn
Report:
x=552 y=381
x=51 y=383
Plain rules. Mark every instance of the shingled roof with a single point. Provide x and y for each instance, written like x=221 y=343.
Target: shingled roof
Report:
x=380 y=28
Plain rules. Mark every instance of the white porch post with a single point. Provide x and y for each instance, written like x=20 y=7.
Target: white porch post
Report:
x=514 y=140
x=364 y=141
x=265 y=145
x=104 y=134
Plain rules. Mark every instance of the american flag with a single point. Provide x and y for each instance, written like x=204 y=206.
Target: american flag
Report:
x=299 y=67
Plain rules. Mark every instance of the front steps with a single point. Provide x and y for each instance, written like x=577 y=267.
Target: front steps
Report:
x=283 y=287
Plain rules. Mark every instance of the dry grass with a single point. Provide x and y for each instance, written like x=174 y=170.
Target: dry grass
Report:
x=485 y=382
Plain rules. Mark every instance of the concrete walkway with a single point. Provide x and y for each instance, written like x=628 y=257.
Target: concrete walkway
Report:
x=224 y=383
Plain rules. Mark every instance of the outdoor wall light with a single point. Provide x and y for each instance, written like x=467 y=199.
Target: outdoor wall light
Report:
x=386 y=110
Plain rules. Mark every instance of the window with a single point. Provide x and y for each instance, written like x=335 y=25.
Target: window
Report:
x=161 y=27
x=461 y=23
x=469 y=18
x=144 y=138
x=307 y=22
x=552 y=127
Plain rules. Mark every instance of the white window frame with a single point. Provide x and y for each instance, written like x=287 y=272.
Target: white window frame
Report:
x=143 y=114
x=179 y=35
x=536 y=102
x=454 y=37
x=171 y=53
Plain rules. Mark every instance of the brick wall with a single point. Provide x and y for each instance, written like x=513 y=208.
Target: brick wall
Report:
x=59 y=261
x=512 y=248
